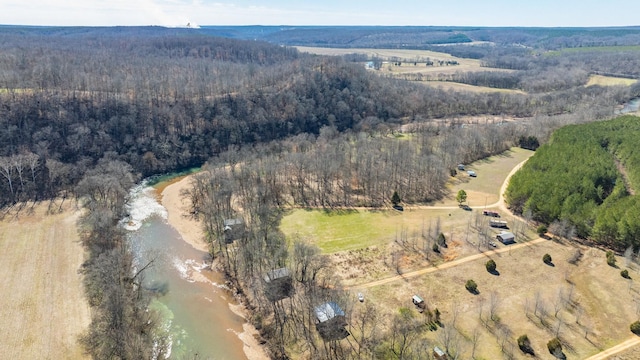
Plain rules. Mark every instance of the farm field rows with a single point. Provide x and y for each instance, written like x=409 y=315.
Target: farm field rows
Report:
x=42 y=309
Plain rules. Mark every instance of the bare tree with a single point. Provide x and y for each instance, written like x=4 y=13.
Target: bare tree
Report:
x=450 y=339
x=494 y=306
x=475 y=339
x=628 y=255
x=365 y=331
x=559 y=302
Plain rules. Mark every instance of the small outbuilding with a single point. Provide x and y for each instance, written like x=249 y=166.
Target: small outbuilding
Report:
x=233 y=229
x=331 y=321
x=278 y=284
x=418 y=302
x=498 y=224
x=506 y=237
x=438 y=354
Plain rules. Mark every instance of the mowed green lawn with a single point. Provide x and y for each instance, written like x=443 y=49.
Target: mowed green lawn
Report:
x=342 y=230
x=334 y=231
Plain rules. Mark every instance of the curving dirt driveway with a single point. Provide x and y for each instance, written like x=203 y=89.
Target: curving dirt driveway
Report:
x=450 y=264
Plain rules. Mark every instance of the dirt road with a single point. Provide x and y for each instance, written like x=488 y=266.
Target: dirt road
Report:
x=630 y=343
x=450 y=264
x=447 y=264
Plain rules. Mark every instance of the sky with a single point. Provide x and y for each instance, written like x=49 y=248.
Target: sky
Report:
x=547 y=13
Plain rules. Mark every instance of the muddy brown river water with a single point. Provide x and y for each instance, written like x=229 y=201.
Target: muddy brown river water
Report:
x=195 y=304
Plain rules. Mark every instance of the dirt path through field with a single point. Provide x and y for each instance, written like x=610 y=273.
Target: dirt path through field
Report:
x=42 y=307
x=447 y=265
x=634 y=341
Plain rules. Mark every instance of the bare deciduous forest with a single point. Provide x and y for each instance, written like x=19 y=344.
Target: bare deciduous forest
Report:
x=86 y=112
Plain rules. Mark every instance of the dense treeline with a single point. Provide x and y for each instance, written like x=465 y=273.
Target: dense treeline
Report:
x=331 y=170
x=547 y=79
x=164 y=101
x=363 y=169
x=423 y=37
x=585 y=178
x=82 y=110
x=122 y=325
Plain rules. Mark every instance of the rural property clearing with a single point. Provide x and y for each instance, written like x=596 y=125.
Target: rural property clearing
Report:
x=42 y=308
x=587 y=304
x=413 y=66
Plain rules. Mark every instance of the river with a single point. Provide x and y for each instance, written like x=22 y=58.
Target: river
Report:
x=632 y=106
x=195 y=304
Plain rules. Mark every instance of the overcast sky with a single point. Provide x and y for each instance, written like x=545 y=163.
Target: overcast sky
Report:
x=321 y=12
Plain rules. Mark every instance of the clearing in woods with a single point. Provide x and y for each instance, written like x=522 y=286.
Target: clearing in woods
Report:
x=587 y=304
x=610 y=81
x=412 y=66
x=42 y=308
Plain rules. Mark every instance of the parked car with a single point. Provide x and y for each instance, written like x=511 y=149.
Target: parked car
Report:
x=360 y=297
x=471 y=173
x=490 y=213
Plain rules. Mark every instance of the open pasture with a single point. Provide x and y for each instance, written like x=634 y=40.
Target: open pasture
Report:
x=609 y=81
x=588 y=305
x=42 y=309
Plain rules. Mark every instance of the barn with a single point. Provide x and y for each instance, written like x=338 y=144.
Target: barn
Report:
x=506 y=237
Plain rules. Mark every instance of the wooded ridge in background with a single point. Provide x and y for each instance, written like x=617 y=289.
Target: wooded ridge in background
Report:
x=168 y=99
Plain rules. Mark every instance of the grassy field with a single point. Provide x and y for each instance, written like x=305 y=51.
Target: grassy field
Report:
x=344 y=230
x=42 y=309
x=601 y=305
x=390 y=54
x=334 y=231
x=449 y=85
x=492 y=171
x=609 y=81
x=413 y=66
x=587 y=304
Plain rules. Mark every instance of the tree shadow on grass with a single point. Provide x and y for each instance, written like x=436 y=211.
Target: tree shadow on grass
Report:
x=495 y=272
x=339 y=211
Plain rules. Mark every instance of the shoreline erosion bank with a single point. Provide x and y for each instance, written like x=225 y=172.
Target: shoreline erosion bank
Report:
x=191 y=232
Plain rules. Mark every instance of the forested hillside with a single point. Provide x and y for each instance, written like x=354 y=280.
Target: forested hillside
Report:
x=585 y=179
x=166 y=99
x=86 y=112
x=421 y=37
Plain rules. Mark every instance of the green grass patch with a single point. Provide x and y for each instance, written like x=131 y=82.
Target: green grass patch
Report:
x=157 y=179
x=342 y=230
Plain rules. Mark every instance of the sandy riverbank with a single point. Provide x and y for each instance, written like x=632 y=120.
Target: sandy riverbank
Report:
x=179 y=217
x=191 y=232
